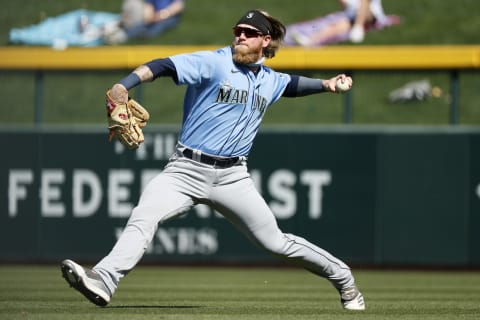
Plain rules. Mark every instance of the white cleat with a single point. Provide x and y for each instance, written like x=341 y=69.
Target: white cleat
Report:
x=352 y=299
x=87 y=282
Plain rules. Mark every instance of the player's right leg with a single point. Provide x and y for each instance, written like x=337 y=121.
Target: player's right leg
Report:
x=168 y=195
x=164 y=198
x=87 y=282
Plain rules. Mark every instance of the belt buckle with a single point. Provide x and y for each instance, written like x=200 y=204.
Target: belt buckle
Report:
x=219 y=162
x=222 y=162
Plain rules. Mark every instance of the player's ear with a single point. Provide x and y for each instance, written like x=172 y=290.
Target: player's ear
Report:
x=266 y=40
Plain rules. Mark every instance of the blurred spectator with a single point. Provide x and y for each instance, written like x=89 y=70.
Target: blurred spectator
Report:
x=362 y=13
x=145 y=19
x=356 y=18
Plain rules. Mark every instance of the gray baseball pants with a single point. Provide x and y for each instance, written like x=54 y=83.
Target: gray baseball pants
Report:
x=184 y=183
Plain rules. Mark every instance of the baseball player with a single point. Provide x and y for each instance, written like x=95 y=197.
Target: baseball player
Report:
x=228 y=92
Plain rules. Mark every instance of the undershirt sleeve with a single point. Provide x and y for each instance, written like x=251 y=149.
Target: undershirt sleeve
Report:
x=302 y=86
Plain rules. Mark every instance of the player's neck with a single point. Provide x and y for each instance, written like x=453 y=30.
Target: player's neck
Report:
x=254 y=69
x=256 y=65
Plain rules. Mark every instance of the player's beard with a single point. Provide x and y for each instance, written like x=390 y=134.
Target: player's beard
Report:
x=246 y=55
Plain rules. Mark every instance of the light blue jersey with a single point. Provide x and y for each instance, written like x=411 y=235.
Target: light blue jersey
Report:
x=224 y=103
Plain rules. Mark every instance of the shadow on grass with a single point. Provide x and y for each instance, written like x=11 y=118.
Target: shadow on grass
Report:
x=152 y=307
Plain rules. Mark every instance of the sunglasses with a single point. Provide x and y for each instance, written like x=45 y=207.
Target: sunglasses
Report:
x=248 y=32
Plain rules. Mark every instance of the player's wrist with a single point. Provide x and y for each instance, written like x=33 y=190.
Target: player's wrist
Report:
x=119 y=93
x=326 y=87
x=130 y=81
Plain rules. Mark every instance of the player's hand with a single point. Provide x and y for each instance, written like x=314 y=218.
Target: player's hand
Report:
x=119 y=94
x=330 y=85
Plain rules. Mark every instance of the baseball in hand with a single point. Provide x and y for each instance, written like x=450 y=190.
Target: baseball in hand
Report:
x=343 y=86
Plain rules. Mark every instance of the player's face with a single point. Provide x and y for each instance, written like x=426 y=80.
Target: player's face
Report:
x=248 y=44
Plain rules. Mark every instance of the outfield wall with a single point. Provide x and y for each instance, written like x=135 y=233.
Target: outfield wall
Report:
x=383 y=197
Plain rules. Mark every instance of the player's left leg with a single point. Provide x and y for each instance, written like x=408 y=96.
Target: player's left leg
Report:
x=242 y=205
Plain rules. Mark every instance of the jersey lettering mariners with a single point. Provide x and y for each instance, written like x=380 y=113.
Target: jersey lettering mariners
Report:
x=228 y=94
x=224 y=103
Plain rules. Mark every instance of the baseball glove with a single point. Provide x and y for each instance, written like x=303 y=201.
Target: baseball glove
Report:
x=125 y=121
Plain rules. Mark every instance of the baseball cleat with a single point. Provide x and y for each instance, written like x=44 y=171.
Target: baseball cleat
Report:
x=87 y=282
x=352 y=299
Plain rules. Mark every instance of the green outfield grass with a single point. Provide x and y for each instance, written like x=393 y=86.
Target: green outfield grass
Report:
x=78 y=98
x=39 y=292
